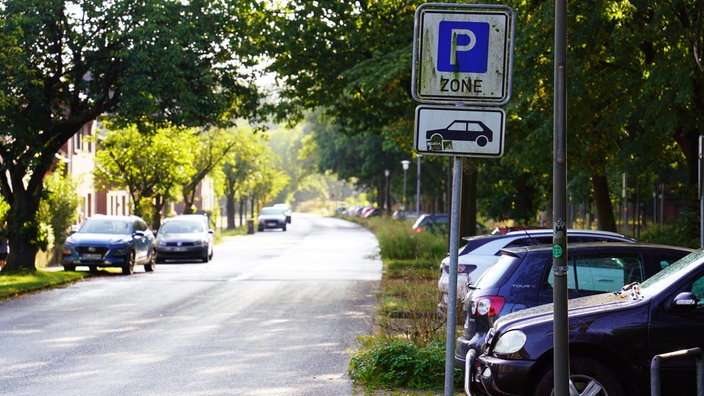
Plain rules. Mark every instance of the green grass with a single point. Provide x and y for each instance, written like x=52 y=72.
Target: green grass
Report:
x=13 y=284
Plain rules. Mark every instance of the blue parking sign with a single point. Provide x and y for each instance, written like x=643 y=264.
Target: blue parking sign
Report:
x=463 y=47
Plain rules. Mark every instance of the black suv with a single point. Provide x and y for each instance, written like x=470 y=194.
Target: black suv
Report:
x=523 y=278
x=613 y=338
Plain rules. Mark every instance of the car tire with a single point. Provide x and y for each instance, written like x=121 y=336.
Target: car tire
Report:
x=206 y=257
x=482 y=141
x=149 y=266
x=585 y=374
x=93 y=269
x=128 y=267
x=284 y=227
x=69 y=267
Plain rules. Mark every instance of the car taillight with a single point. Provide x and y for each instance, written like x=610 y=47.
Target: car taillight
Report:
x=486 y=306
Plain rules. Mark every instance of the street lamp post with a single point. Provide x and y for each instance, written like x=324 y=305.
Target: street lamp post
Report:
x=387 y=173
x=405 y=164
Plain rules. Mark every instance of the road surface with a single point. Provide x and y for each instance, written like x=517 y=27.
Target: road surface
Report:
x=274 y=313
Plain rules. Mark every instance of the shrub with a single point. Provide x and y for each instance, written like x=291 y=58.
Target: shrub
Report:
x=397 y=363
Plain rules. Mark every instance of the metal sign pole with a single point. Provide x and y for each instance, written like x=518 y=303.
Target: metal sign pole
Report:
x=452 y=292
x=560 y=269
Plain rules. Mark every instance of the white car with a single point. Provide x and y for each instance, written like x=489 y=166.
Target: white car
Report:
x=481 y=251
x=286 y=209
x=271 y=217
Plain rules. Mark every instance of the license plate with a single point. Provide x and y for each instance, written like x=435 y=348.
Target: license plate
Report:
x=178 y=249
x=92 y=256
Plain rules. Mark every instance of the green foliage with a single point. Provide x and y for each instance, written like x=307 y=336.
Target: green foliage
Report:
x=395 y=363
x=59 y=205
x=148 y=166
x=683 y=231
x=398 y=241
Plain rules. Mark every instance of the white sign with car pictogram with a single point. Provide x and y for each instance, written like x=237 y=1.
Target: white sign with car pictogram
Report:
x=459 y=131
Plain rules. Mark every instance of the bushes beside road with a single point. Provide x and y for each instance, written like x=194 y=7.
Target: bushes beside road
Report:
x=407 y=349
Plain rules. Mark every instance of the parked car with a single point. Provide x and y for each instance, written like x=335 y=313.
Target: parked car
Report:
x=438 y=222
x=613 y=338
x=111 y=241
x=479 y=252
x=523 y=278
x=271 y=217
x=287 y=211
x=185 y=237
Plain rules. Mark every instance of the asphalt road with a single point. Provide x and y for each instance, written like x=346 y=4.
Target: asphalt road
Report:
x=274 y=313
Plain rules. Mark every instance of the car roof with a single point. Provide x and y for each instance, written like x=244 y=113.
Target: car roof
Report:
x=584 y=246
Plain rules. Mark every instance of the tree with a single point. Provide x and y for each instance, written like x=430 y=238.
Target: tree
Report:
x=238 y=168
x=151 y=167
x=209 y=151
x=65 y=63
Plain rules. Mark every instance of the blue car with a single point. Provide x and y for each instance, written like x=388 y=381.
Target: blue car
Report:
x=111 y=241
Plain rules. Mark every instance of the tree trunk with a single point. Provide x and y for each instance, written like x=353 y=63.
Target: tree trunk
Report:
x=230 y=208
x=23 y=231
x=468 y=207
x=602 y=199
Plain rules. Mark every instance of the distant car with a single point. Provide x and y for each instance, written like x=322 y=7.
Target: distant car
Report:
x=463 y=130
x=438 y=222
x=523 y=278
x=287 y=211
x=432 y=222
x=111 y=241
x=613 y=338
x=481 y=251
x=184 y=237
x=271 y=217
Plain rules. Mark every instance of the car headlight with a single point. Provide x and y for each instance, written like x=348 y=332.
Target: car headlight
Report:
x=160 y=243
x=67 y=251
x=119 y=250
x=510 y=342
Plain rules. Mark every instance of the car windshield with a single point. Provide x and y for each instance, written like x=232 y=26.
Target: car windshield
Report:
x=181 y=227
x=106 y=226
x=660 y=279
x=271 y=211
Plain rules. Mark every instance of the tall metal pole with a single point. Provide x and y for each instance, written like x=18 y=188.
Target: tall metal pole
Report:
x=452 y=286
x=560 y=322
x=418 y=186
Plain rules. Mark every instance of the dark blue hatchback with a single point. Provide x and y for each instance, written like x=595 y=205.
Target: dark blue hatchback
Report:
x=111 y=241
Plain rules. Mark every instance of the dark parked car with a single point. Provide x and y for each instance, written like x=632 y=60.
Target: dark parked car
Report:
x=271 y=217
x=185 y=237
x=523 y=278
x=613 y=338
x=479 y=252
x=111 y=241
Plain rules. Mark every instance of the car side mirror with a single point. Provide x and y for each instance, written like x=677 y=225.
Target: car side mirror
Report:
x=685 y=299
x=139 y=233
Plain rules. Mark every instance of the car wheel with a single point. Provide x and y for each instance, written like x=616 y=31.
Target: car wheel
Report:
x=284 y=227
x=587 y=377
x=206 y=257
x=128 y=267
x=482 y=141
x=69 y=267
x=93 y=269
x=149 y=266
x=260 y=229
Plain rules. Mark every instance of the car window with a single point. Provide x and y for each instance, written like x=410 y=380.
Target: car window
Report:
x=538 y=240
x=601 y=273
x=106 y=227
